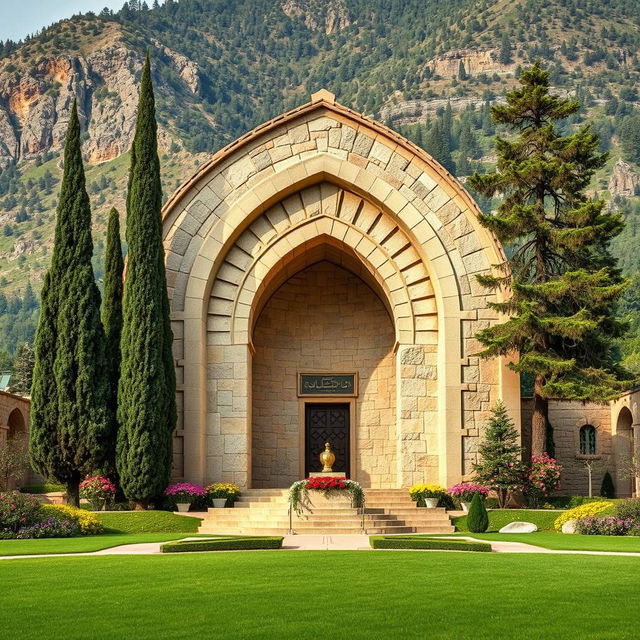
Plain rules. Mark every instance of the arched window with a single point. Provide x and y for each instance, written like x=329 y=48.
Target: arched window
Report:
x=588 y=440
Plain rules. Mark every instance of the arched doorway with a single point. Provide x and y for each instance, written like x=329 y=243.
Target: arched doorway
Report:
x=17 y=425
x=323 y=319
x=623 y=446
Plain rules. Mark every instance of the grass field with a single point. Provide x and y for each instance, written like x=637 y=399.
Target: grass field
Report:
x=550 y=540
x=82 y=544
x=343 y=595
x=147 y=522
x=499 y=517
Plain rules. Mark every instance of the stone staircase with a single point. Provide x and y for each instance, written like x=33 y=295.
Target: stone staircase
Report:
x=266 y=512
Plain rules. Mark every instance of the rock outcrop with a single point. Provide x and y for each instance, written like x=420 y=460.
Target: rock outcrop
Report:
x=624 y=181
x=35 y=104
x=329 y=16
x=475 y=61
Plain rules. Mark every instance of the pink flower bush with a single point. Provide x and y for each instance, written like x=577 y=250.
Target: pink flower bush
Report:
x=608 y=526
x=466 y=490
x=543 y=478
x=184 y=491
x=97 y=488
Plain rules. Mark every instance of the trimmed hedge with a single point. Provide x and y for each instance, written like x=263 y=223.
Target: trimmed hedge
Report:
x=43 y=488
x=420 y=542
x=231 y=543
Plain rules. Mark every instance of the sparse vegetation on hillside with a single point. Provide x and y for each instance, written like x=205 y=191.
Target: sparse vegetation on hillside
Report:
x=428 y=69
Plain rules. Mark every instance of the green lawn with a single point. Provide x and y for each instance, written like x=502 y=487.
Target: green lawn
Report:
x=82 y=544
x=125 y=527
x=343 y=595
x=499 y=517
x=550 y=540
x=147 y=522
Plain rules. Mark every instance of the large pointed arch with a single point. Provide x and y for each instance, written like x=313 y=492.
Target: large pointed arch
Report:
x=322 y=171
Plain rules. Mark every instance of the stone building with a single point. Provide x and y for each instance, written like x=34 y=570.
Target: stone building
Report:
x=322 y=278
x=14 y=419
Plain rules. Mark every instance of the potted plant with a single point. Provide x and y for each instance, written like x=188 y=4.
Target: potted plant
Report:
x=223 y=493
x=465 y=492
x=98 y=490
x=430 y=494
x=184 y=493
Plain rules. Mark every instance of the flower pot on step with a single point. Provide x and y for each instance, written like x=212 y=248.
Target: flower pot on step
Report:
x=183 y=506
x=431 y=503
x=219 y=503
x=465 y=506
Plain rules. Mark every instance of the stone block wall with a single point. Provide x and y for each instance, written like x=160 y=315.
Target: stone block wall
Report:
x=323 y=319
x=566 y=418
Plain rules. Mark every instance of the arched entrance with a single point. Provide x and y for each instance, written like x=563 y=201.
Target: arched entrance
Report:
x=318 y=185
x=323 y=319
x=623 y=447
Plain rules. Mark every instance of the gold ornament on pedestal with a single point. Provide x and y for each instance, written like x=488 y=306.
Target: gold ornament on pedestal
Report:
x=327 y=458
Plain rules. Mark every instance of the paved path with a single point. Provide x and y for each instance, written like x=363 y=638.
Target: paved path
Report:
x=330 y=543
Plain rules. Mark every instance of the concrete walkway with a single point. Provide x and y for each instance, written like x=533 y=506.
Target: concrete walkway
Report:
x=330 y=543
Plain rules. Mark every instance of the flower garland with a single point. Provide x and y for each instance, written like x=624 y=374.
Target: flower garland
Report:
x=299 y=491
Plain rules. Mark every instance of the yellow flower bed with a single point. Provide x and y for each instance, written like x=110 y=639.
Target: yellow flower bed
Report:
x=88 y=522
x=419 y=491
x=583 y=511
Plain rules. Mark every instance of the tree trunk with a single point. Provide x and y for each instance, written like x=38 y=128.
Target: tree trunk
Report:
x=73 y=492
x=539 y=419
x=140 y=505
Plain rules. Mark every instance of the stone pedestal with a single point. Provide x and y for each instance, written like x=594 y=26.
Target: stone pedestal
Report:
x=328 y=474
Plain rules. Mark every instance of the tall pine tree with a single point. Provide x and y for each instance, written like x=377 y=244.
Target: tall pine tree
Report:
x=146 y=395
x=112 y=323
x=564 y=283
x=68 y=421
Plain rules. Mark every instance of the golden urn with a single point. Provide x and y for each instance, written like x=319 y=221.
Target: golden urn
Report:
x=327 y=458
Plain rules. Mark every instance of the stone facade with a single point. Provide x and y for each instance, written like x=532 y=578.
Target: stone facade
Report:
x=14 y=420
x=617 y=427
x=322 y=182
x=323 y=319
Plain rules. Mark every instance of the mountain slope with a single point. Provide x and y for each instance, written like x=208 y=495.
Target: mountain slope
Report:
x=222 y=67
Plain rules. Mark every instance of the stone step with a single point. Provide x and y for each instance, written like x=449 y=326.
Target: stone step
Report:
x=244 y=514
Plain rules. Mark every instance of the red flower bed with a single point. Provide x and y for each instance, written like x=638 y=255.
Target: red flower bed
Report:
x=324 y=483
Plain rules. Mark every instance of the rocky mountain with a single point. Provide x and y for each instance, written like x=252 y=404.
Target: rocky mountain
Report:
x=222 y=67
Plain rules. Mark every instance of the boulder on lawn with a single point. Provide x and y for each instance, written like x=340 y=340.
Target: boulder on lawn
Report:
x=519 y=527
x=570 y=526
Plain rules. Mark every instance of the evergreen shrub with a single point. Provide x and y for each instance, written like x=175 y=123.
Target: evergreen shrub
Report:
x=478 y=518
x=607 y=488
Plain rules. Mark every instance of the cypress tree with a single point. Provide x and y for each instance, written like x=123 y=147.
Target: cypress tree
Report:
x=477 y=518
x=564 y=284
x=68 y=421
x=23 y=369
x=112 y=323
x=146 y=394
x=607 y=488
